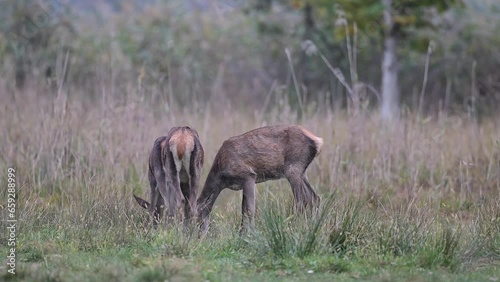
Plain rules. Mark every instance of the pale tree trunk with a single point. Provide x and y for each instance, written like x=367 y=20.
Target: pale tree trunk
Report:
x=390 y=89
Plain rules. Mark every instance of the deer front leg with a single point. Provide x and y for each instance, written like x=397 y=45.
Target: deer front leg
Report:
x=161 y=181
x=159 y=211
x=154 y=212
x=248 y=205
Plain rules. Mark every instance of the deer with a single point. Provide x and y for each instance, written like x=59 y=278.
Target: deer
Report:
x=175 y=165
x=259 y=155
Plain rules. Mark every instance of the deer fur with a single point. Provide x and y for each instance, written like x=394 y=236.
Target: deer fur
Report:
x=175 y=164
x=266 y=153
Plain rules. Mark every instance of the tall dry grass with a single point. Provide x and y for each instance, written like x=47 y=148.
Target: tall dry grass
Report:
x=417 y=186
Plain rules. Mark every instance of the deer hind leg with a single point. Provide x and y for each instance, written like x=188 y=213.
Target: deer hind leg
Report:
x=175 y=197
x=189 y=186
x=302 y=192
x=310 y=192
x=248 y=204
x=171 y=192
x=188 y=211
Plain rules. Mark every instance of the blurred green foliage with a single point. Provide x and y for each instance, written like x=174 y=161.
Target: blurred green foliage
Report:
x=183 y=51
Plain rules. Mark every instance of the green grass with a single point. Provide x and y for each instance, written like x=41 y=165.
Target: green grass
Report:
x=145 y=260
x=345 y=240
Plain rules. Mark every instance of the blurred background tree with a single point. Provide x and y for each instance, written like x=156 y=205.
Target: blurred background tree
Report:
x=232 y=53
x=33 y=32
x=395 y=20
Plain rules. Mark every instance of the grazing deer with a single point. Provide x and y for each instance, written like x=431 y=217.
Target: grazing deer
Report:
x=175 y=164
x=266 y=153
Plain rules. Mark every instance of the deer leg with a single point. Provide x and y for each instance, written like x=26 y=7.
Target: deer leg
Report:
x=190 y=205
x=162 y=188
x=294 y=177
x=176 y=199
x=159 y=211
x=248 y=205
x=171 y=191
x=153 y=209
x=186 y=192
x=311 y=195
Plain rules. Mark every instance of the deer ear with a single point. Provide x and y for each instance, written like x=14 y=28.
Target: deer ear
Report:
x=143 y=203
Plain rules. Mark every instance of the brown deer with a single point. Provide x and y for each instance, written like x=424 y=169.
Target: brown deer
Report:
x=175 y=164
x=266 y=153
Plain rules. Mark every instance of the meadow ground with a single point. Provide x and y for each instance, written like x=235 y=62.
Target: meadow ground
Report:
x=417 y=200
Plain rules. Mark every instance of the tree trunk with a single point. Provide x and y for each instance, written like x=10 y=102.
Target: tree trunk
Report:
x=390 y=89
x=307 y=68
x=20 y=72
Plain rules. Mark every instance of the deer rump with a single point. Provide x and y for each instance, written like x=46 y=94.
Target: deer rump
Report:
x=175 y=164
